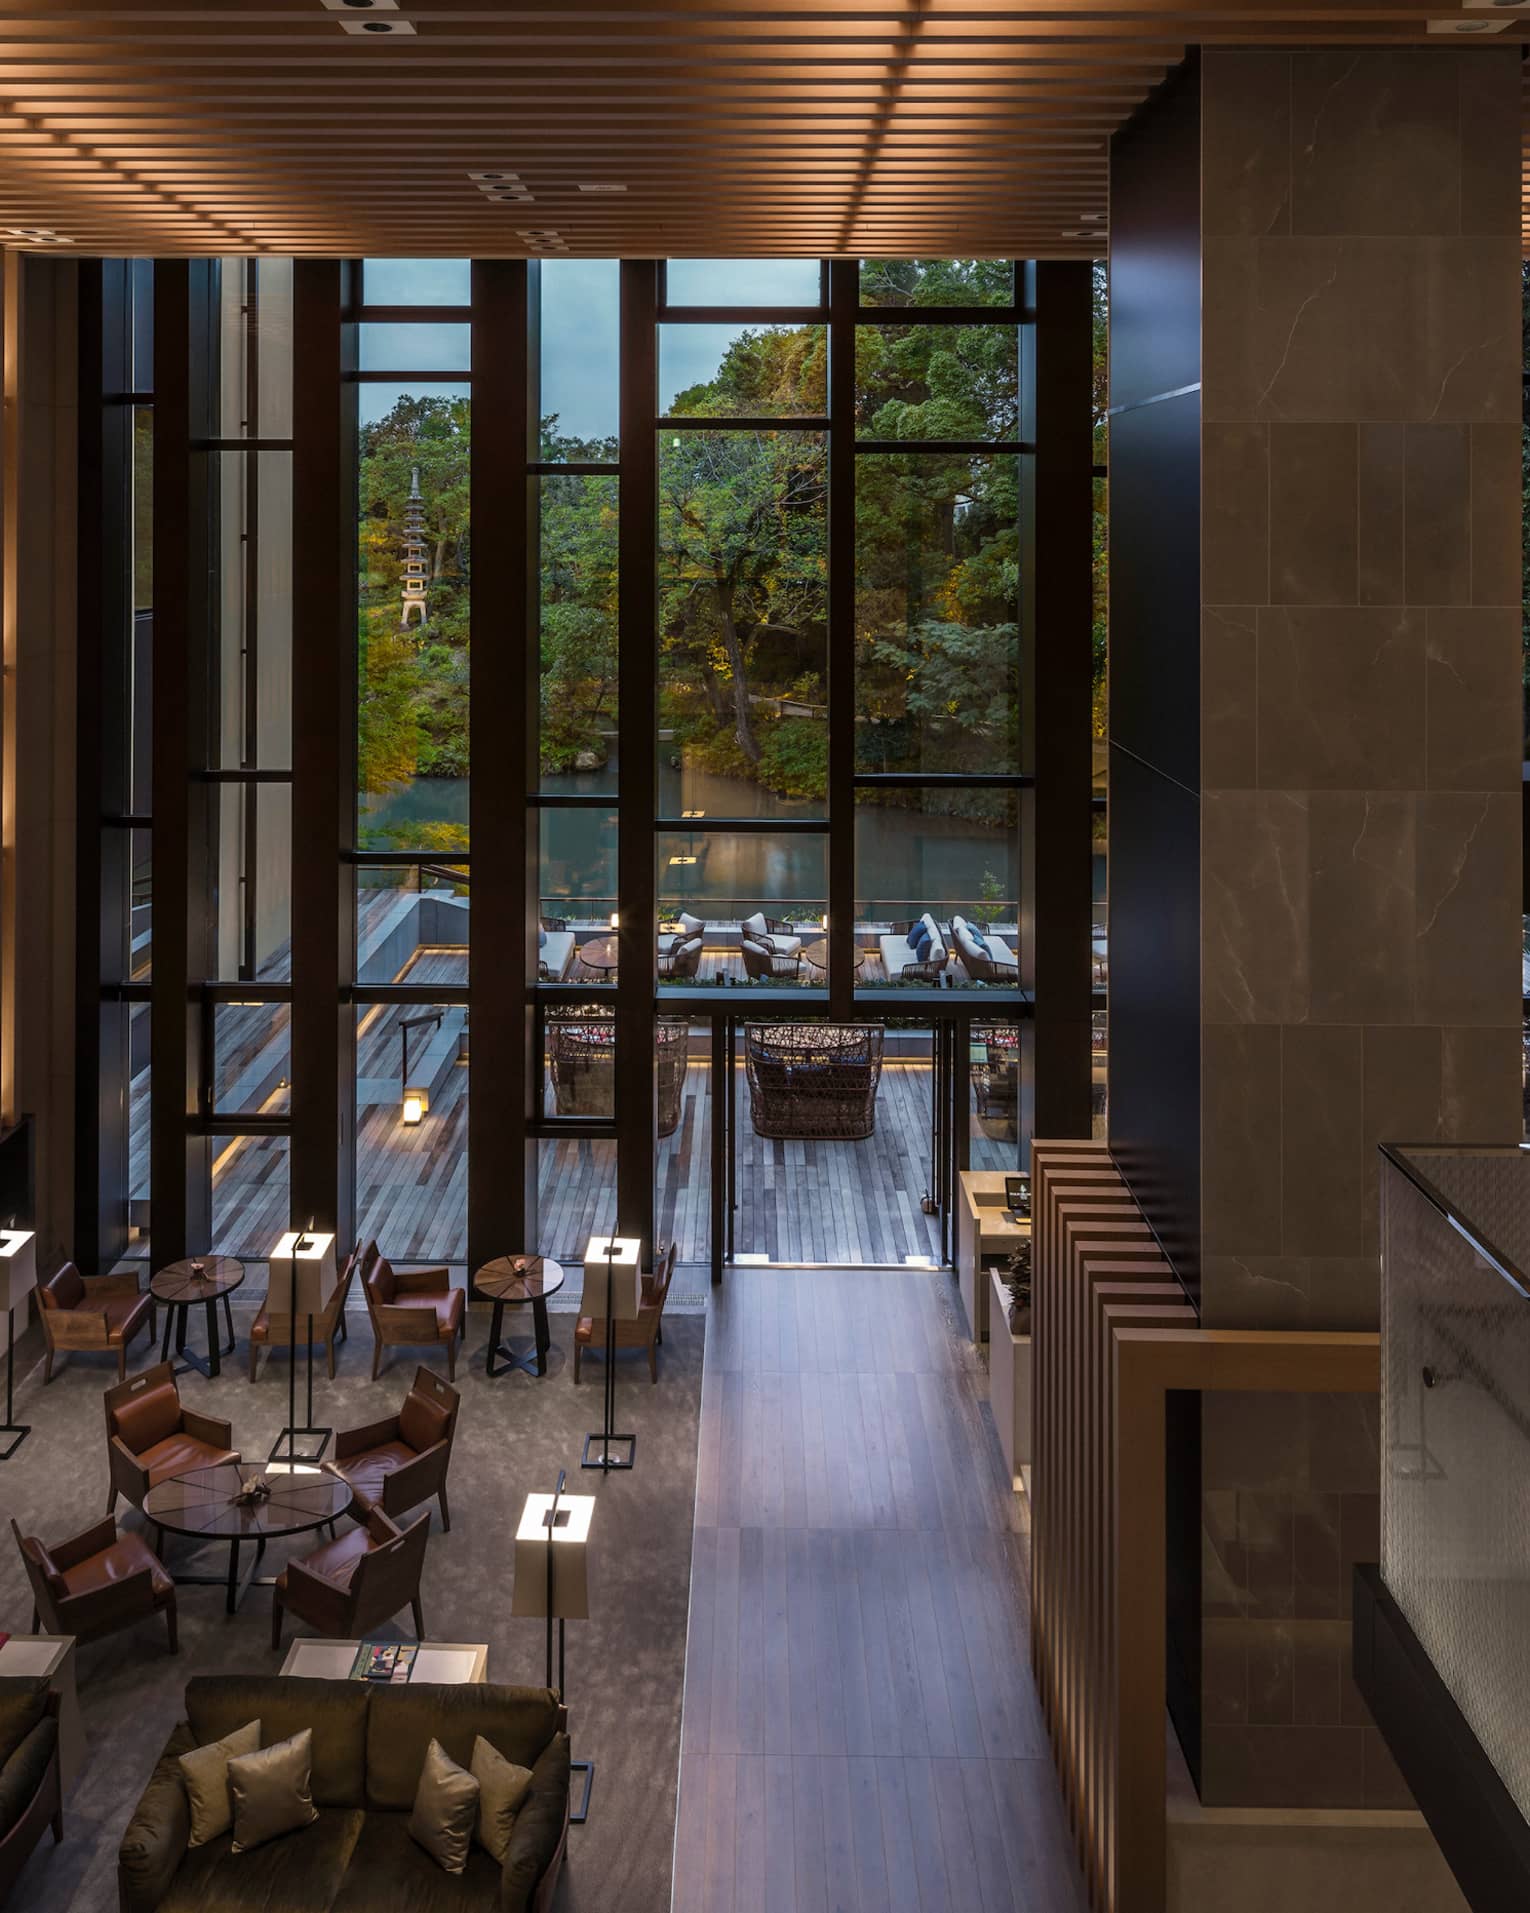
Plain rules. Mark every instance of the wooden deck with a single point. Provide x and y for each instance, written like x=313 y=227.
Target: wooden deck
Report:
x=860 y=1729
x=836 y=1202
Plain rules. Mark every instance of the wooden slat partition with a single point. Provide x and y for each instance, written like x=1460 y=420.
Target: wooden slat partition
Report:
x=1112 y=1335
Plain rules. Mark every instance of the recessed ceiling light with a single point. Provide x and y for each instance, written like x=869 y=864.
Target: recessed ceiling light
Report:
x=36 y=235
x=596 y=186
x=1468 y=26
x=1091 y=215
x=1079 y=232
x=495 y=179
x=375 y=26
x=359 y=6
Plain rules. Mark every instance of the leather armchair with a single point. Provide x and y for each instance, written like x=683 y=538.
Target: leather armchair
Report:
x=151 y=1435
x=275 y=1328
x=355 y=1584
x=413 y=1308
x=96 y=1583
x=102 y=1314
x=31 y=1795
x=398 y=1462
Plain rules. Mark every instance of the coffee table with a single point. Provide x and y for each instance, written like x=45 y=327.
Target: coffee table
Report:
x=599 y=954
x=519 y=1278
x=201 y=1504
x=179 y=1286
x=442 y=1663
x=816 y=954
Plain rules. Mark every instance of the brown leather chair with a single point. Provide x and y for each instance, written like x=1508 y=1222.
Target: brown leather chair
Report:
x=398 y=1462
x=351 y=1586
x=103 y=1314
x=151 y=1435
x=413 y=1308
x=96 y=1583
x=277 y=1330
x=645 y=1330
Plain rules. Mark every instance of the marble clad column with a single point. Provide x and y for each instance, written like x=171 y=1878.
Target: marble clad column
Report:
x=1360 y=750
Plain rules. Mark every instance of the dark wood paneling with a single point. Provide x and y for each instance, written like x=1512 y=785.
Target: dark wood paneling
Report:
x=501 y=1168
x=323 y=759
x=636 y=1074
x=1059 y=609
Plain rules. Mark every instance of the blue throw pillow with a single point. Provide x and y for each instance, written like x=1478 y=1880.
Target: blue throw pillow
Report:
x=979 y=942
x=919 y=939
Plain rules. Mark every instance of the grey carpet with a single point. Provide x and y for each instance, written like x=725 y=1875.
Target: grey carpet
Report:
x=625 y=1665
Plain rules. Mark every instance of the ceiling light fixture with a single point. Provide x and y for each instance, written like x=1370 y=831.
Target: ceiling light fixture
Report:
x=597 y=186
x=36 y=235
x=375 y=26
x=359 y=6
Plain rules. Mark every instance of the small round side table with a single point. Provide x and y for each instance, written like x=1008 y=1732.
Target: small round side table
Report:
x=179 y=1286
x=518 y=1278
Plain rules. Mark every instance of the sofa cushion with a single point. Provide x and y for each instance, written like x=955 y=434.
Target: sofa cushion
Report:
x=335 y=1710
x=22 y=1774
x=502 y=1791
x=272 y=1791
x=388 y=1870
x=539 y=1827
x=422 y=1422
x=301 y=1872
x=691 y=926
x=517 y=1721
x=205 y=1773
x=445 y=1810
x=124 y=1313
x=148 y=1418
x=919 y=938
x=154 y=1841
x=23 y=1702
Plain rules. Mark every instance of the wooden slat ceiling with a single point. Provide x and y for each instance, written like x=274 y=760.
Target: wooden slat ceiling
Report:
x=728 y=128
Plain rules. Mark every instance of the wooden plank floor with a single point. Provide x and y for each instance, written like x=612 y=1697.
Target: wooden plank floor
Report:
x=860 y=1730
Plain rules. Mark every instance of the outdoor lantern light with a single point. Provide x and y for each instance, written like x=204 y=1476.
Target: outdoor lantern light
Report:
x=416 y=1102
x=615 y=923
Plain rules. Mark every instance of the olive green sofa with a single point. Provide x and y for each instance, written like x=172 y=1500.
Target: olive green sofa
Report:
x=368 y=1749
x=30 y=1797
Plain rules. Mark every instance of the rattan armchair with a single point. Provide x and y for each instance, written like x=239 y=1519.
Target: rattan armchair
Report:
x=767 y=966
x=350 y=1586
x=682 y=961
x=813 y=1082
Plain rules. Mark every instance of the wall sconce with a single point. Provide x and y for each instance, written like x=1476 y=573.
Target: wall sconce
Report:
x=416 y=1103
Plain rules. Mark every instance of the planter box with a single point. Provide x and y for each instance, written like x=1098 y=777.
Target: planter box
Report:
x=1009 y=1383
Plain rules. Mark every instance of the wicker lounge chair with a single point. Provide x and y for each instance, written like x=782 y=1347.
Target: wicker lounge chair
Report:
x=813 y=1082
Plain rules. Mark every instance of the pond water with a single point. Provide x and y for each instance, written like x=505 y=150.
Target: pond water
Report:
x=904 y=860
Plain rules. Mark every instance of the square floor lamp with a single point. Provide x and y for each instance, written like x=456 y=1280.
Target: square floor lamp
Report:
x=304 y=1264
x=613 y=1291
x=18 y=1278
x=551 y=1579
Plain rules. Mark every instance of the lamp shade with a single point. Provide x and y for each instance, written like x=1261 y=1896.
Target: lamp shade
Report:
x=18 y=1267
x=626 y=1277
x=569 y=1546
x=312 y=1259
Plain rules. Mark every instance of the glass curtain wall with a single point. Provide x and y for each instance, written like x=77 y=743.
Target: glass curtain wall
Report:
x=413 y=862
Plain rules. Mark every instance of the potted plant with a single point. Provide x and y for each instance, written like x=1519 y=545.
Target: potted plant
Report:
x=1017 y=1279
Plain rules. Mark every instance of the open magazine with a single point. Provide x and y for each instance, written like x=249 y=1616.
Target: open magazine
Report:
x=384 y=1661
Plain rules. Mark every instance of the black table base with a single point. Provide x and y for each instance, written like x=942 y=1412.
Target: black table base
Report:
x=236 y=1584
x=210 y=1364
x=503 y=1358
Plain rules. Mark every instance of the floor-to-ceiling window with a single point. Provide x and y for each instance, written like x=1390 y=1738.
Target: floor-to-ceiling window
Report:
x=766 y=749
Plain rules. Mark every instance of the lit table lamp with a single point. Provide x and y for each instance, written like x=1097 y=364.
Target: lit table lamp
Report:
x=613 y=1292
x=18 y=1278
x=304 y=1263
x=551 y=1579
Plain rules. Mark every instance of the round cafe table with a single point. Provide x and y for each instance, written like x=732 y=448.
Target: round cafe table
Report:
x=203 y=1279
x=599 y=954
x=201 y=1504
x=519 y=1278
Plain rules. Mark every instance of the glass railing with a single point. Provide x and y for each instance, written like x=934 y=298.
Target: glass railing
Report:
x=1455 y=1406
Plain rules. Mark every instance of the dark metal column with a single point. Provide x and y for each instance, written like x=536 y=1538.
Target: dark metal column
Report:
x=179 y=1161
x=1057 y=566
x=323 y=762
x=636 y=1104
x=505 y=666
x=844 y=297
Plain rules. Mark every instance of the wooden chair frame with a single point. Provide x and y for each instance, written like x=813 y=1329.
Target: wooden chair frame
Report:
x=385 y=1579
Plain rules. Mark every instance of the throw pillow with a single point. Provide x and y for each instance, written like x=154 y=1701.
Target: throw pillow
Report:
x=205 y=1772
x=271 y=1791
x=502 y=1791
x=919 y=939
x=755 y=926
x=445 y=1810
